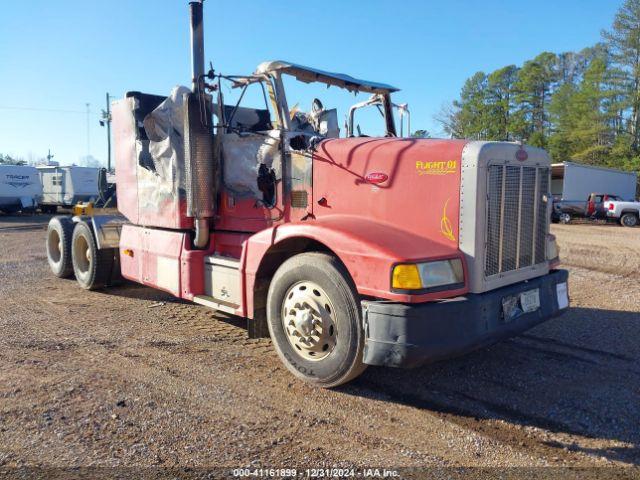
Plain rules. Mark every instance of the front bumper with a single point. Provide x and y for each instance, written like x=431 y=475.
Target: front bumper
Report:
x=409 y=335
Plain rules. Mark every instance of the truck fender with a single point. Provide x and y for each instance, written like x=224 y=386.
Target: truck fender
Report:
x=367 y=248
x=107 y=229
x=635 y=211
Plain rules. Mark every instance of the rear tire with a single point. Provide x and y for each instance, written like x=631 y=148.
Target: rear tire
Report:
x=92 y=267
x=59 y=237
x=629 y=220
x=314 y=319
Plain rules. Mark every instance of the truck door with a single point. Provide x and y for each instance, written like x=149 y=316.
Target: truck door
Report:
x=298 y=166
x=251 y=158
x=596 y=206
x=591 y=205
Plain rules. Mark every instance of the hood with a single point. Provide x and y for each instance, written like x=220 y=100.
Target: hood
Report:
x=412 y=184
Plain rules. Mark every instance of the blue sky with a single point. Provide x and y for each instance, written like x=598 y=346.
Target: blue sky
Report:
x=57 y=56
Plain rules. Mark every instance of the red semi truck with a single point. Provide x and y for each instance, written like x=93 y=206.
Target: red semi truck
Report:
x=347 y=252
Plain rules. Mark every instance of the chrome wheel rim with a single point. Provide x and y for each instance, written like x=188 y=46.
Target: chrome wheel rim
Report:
x=308 y=321
x=82 y=255
x=565 y=218
x=629 y=221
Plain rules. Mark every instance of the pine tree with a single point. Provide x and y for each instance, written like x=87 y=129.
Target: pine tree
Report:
x=563 y=122
x=593 y=112
x=533 y=93
x=499 y=98
x=472 y=107
x=583 y=106
x=624 y=41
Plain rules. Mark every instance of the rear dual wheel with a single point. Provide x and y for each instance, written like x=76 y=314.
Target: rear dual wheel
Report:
x=314 y=320
x=59 y=237
x=72 y=250
x=93 y=267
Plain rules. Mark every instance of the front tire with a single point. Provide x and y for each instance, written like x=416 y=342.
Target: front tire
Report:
x=59 y=237
x=314 y=320
x=629 y=220
x=92 y=267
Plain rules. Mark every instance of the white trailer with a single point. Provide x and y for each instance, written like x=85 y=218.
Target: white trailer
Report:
x=575 y=182
x=68 y=185
x=20 y=188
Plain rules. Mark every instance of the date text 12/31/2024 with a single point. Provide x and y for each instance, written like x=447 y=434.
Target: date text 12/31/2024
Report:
x=315 y=473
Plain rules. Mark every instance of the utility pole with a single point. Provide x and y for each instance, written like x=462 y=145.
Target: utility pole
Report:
x=106 y=120
x=49 y=157
x=88 y=135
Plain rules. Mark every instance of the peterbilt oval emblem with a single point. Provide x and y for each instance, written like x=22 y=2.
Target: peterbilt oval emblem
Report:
x=522 y=155
x=376 y=177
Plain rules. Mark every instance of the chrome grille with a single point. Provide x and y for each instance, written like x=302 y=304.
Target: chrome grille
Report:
x=516 y=217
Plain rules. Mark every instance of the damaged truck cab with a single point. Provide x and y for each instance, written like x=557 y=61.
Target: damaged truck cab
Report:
x=348 y=251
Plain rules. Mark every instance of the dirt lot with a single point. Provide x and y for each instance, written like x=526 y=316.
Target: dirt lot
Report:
x=133 y=377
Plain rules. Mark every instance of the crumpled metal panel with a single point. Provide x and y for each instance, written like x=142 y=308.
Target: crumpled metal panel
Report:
x=243 y=155
x=149 y=155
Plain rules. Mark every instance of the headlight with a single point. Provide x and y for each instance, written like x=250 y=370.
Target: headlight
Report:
x=422 y=276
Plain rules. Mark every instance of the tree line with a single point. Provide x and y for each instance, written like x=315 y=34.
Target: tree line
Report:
x=9 y=160
x=581 y=106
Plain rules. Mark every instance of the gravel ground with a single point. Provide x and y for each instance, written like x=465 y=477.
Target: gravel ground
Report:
x=132 y=377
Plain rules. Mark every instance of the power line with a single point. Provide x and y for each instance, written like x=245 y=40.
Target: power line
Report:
x=55 y=110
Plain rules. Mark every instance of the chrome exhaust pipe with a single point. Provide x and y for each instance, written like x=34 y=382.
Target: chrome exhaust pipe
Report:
x=198 y=136
x=197 y=45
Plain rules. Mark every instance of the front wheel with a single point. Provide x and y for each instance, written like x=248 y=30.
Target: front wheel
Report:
x=314 y=320
x=629 y=220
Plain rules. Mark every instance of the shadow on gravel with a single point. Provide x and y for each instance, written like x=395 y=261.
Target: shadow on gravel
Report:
x=140 y=292
x=25 y=217
x=23 y=221
x=578 y=374
x=137 y=291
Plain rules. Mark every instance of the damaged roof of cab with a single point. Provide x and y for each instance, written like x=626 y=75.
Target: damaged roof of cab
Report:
x=308 y=75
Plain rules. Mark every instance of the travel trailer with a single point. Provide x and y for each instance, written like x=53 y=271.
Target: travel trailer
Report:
x=66 y=186
x=20 y=188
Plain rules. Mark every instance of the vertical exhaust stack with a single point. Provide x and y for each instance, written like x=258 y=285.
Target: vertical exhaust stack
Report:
x=198 y=137
x=197 y=44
